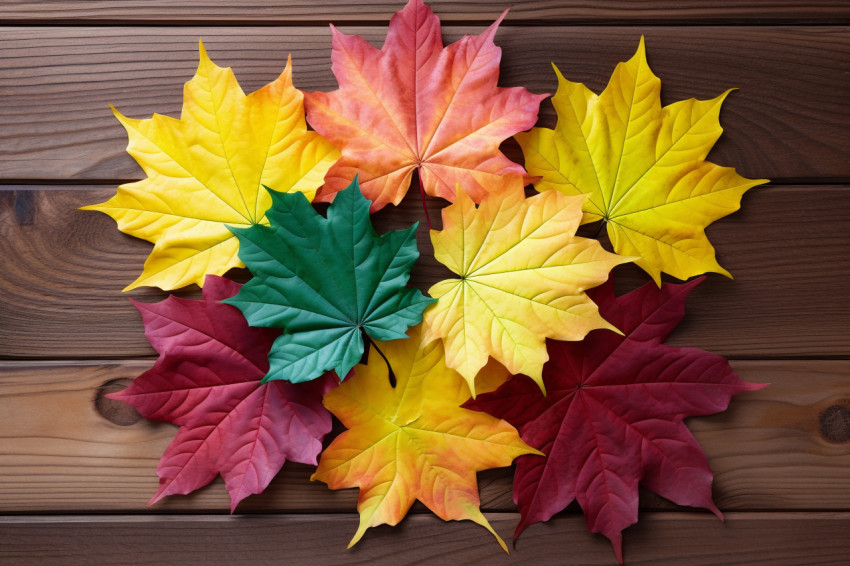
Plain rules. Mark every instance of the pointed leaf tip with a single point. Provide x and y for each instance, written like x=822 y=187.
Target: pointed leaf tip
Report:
x=494 y=27
x=617 y=543
x=204 y=60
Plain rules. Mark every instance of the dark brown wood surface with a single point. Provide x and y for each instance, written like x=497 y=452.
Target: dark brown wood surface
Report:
x=787 y=122
x=294 y=12
x=685 y=539
x=70 y=459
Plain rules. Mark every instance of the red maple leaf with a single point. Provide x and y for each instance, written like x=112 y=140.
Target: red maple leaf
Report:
x=613 y=416
x=414 y=103
x=207 y=380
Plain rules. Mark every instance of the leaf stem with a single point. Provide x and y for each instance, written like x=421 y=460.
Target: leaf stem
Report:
x=424 y=204
x=390 y=371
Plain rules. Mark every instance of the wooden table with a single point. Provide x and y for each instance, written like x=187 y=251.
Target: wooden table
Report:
x=76 y=470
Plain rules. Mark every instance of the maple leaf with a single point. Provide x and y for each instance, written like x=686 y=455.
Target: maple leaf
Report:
x=207 y=380
x=205 y=171
x=522 y=278
x=413 y=441
x=414 y=104
x=642 y=166
x=327 y=282
x=613 y=416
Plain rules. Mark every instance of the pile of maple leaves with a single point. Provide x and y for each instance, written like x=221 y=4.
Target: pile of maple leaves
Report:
x=568 y=379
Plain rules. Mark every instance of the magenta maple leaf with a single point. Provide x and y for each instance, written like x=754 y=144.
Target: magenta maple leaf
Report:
x=613 y=416
x=207 y=380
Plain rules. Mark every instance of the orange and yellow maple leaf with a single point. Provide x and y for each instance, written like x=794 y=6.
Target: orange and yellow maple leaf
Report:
x=413 y=441
x=414 y=104
x=206 y=171
x=523 y=274
x=642 y=166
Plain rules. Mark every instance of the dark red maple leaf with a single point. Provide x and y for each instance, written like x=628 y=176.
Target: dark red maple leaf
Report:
x=613 y=416
x=207 y=380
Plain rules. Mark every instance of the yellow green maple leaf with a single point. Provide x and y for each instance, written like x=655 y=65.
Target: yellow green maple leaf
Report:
x=413 y=441
x=523 y=274
x=206 y=171
x=642 y=166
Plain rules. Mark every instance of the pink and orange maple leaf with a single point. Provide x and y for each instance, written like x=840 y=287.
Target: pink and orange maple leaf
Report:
x=415 y=104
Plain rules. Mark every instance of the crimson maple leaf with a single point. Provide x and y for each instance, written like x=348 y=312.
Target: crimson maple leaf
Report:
x=414 y=103
x=207 y=380
x=613 y=416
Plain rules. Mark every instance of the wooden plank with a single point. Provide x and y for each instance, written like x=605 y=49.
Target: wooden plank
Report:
x=774 y=539
x=295 y=12
x=66 y=448
x=790 y=120
x=63 y=271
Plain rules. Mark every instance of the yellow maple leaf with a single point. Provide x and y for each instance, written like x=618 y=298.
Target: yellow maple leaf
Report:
x=523 y=274
x=642 y=166
x=206 y=171
x=413 y=441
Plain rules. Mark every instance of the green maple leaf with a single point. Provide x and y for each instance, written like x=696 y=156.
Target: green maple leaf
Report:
x=326 y=282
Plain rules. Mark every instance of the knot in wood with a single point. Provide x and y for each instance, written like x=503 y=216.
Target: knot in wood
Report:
x=835 y=423
x=116 y=412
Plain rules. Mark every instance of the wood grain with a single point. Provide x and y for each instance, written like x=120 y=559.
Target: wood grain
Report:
x=71 y=336
x=61 y=452
x=774 y=539
x=549 y=12
x=60 y=286
x=789 y=121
